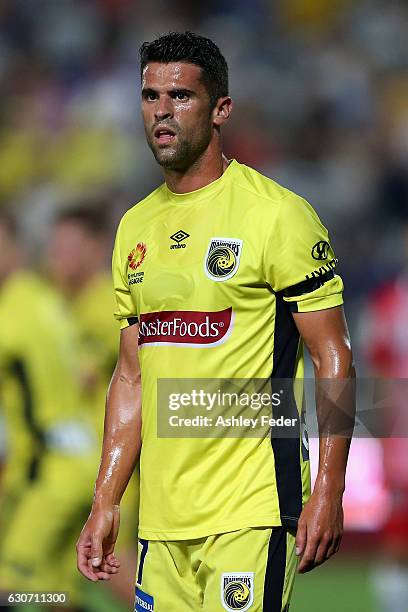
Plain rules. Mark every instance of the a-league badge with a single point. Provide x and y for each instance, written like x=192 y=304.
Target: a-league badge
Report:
x=237 y=590
x=222 y=258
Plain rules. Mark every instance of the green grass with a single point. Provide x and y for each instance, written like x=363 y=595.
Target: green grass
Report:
x=97 y=598
x=341 y=585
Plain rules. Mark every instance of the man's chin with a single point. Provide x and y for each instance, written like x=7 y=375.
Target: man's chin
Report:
x=166 y=157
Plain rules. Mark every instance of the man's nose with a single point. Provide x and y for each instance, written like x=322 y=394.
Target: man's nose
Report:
x=163 y=109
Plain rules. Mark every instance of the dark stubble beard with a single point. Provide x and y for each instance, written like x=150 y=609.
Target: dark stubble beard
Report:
x=185 y=152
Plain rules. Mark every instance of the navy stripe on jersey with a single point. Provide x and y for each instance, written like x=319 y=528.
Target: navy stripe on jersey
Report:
x=275 y=571
x=308 y=285
x=145 y=546
x=132 y=320
x=286 y=450
x=18 y=369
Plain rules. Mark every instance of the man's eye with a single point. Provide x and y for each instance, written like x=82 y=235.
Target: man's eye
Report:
x=180 y=95
x=151 y=97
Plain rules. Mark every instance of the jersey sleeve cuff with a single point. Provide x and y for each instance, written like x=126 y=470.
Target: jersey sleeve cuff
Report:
x=127 y=322
x=328 y=295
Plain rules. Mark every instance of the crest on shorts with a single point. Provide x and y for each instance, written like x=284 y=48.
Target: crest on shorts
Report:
x=237 y=590
x=222 y=258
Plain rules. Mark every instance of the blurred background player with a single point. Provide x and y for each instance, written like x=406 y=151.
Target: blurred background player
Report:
x=49 y=444
x=78 y=261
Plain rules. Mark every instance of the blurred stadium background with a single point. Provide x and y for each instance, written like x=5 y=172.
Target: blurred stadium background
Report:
x=321 y=105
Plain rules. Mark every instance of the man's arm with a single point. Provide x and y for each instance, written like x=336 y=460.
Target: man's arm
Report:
x=120 y=451
x=320 y=525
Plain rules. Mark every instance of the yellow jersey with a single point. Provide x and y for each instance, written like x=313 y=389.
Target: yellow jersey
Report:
x=39 y=391
x=97 y=336
x=211 y=277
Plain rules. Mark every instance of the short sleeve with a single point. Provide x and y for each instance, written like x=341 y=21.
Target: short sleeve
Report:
x=299 y=262
x=125 y=311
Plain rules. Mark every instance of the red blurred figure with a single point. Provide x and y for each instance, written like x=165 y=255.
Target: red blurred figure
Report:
x=386 y=349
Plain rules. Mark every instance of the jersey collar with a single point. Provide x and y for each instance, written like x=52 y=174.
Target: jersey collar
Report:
x=204 y=193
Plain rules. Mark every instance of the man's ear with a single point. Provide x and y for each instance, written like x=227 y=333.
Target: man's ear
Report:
x=222 y=111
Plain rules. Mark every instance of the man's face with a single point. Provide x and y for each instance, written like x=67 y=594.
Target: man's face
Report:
x=176 y=113
x=72 y=252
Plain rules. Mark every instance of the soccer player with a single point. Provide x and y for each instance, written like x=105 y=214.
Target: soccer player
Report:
x=76 y=258
x=78 y=251
x=219 y=273
x=49 y=443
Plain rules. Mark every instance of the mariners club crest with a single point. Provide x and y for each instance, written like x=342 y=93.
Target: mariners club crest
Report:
x=237 y=590
x=222 y=258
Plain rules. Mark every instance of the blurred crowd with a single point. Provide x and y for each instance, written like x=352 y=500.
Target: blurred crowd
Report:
x=321 y=105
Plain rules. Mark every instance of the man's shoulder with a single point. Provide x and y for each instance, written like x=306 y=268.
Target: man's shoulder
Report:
x=142 y=207
x=23 y=283
x=26 y=287
x=267 y=190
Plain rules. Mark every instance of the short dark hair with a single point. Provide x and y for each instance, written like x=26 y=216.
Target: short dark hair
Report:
x=93 y=219
x=192 y=49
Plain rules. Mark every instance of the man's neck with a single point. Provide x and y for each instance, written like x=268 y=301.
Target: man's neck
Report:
x=204 y=171
x=81 y=283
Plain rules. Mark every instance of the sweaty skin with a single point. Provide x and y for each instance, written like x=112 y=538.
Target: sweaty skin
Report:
x=320 y=526
x=121 y=447
x=183 y=133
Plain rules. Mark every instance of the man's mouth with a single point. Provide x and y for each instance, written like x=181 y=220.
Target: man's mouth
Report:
x=164 y=135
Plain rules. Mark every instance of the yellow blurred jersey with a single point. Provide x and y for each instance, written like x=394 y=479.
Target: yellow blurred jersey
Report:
x=212 y=277
x=39 y=389
x=98 y=339
x=48 y=441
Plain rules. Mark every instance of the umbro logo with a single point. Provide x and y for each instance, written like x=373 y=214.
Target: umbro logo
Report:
x=179 y=237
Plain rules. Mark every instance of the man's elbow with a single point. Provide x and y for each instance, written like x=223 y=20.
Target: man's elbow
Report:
x=124 y=376
x=334 y=359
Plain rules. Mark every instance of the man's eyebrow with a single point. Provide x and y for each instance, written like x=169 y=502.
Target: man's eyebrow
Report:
x=148 y=90
x=175 y=90
x=183 y=90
